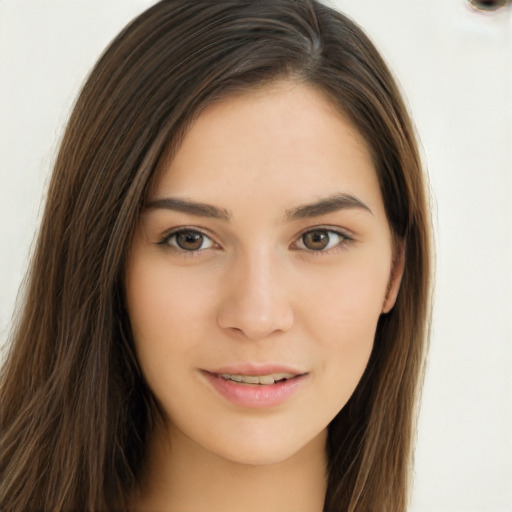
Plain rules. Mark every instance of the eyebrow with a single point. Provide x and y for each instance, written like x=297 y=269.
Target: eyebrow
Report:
x=330 y=204
x=191 y=207
x=323 y=206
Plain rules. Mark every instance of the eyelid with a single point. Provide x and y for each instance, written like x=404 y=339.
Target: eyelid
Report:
x=345 y=236
x=164 y=239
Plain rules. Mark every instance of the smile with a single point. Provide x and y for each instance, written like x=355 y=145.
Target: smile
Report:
x=262 y=380
x=256 y=391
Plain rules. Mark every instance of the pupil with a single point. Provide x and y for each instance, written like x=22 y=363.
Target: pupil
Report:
x=316 y=240
x=189 y=240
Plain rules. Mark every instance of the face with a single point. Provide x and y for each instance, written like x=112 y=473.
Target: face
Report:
x=257 y=275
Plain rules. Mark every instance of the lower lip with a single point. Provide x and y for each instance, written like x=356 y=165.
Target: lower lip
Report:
x=256 y=395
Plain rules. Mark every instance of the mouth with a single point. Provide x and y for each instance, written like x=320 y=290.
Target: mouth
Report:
x=259 y=380
x=256 y=388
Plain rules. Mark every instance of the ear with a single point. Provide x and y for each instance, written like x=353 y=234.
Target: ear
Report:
x=395 y=278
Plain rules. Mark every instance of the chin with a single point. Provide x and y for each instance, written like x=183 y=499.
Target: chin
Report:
x=261 y=450
x=252 y=457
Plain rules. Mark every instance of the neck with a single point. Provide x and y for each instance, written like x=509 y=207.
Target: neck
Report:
x=190 y=478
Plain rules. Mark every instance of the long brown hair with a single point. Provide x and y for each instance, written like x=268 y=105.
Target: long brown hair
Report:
x=76 y=413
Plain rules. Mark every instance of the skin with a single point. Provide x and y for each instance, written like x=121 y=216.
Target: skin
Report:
x=255 y=292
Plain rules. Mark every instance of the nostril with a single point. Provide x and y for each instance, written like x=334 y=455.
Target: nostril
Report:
x=488 y=5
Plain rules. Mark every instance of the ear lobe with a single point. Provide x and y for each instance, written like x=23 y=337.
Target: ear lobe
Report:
x=397 y=270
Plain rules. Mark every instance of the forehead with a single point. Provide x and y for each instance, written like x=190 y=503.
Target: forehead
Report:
x=281 y=143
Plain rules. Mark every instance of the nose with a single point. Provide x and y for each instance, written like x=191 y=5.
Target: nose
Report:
x=255 y=303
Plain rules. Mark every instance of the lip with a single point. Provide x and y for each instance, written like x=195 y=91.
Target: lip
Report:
x=255 y=369
x=255 y=396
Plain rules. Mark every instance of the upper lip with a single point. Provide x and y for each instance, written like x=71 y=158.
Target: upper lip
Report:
x=253 y=369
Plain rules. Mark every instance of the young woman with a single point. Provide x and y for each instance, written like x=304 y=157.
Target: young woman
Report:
x=227 y=307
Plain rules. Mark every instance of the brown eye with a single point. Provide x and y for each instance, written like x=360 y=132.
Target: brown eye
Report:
x=321 y=240
x=316 y=240
x=189 y=240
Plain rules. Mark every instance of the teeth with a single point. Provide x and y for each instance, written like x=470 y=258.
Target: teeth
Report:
x=266 y=379
x=257 y=379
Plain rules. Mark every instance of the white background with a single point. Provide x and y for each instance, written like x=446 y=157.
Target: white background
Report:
x=455 y=66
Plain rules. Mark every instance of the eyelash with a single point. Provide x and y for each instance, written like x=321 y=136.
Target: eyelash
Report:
x=345 y=240
x=167 y=237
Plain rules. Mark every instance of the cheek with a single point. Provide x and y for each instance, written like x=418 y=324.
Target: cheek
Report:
x=342 y=317
x=348 y=299
x=167 y=309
